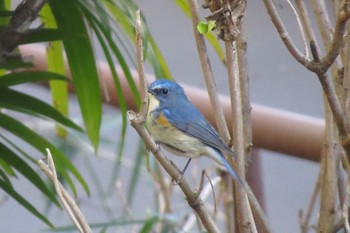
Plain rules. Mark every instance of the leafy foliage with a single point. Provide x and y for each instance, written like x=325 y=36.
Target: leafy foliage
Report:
x=69 y=27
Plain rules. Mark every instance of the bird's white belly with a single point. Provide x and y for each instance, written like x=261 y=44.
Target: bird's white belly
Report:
x=171 y=138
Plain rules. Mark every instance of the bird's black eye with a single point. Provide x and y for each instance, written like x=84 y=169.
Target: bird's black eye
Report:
x=165 y=91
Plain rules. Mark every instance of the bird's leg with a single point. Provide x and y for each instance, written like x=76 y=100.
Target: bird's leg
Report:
x=188 y=163
x=175 y=182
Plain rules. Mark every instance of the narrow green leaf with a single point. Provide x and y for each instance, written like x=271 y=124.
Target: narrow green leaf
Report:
x=18 y=101
x=183 y=5
x=7 y=168
x=14 y=63
x=22 y=167
x=117 y=222
x=12 y=79
x=82 y=64
x=107 y=33
x=55 y=63
x=148 y=226
x=41 y=35
x=5 y=14
x=136 y=171
x=7 y=187
x=97 y=27
x=123 y=13
x=4 y=177
x=62 y=162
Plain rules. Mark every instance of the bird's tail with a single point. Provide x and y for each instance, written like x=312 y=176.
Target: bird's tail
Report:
x=230 y=169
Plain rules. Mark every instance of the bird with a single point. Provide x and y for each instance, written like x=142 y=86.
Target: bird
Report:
x=178 y=126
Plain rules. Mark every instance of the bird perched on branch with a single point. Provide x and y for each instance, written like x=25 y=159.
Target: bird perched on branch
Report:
x=178 y=126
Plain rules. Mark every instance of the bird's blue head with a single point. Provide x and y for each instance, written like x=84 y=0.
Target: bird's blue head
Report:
x=166 y=91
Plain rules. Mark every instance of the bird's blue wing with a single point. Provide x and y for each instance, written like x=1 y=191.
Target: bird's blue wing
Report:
x=190 y=120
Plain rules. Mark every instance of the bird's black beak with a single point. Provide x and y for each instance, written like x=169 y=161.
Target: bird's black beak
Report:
x=151 y=91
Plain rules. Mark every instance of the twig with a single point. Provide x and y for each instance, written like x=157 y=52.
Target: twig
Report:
x=140 y=67
x=246 y=221
x=301 y=29
x=276 y=20
x=190 y=221
x=305 y=21
x=333 y=101
x=337 y=41
x=208 y=74
x=329 y=176
x=305 y=222
x=23 y=16
x=66 y=200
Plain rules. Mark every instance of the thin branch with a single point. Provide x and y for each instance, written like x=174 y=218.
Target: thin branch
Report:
x=301 y=29
x=305 y=20
x=276 y=20
x=140 y=66
x=66 y=200
x=329 y=176
x=305 y=221
x=208 y=74
x=333 y=101
x=23 y=16
x=245 y=219
x=338 y=36
x=191 y=220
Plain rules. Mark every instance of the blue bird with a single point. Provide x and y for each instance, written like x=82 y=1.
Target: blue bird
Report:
x=178 y=126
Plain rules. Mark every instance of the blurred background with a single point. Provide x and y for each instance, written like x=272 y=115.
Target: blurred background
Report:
x=276 y=80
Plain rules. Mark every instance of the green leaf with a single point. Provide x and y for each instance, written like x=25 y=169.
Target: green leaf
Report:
x=4 y=176
x=104 y=35
x=107 y=32
x=12 y=79
x=14 y=63
x=55 y=63
x=136 y=171
x=205 y=27
x=41 y=35
x=183 y=5
x=148 y=226
x=202 y=28
x=8 y=188
x=61 y=161
x=7 y=168
x=117 y=222
x=18 y=101
x=82 y=64
x=22 y=167
x=123 y=13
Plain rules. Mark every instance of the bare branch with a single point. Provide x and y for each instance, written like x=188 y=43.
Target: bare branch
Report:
x=305 y=221
x=208 y=74
x=305 y=20
x=276 y=20
x=23 y=16
x=301 y=29
x=338 y=36
x=328 y=177
x=66 y=200
x=140 y=67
